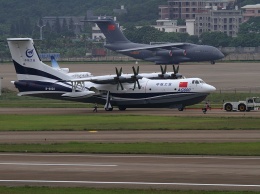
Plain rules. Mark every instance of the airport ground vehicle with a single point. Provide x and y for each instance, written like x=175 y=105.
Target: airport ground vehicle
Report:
x=251 y=103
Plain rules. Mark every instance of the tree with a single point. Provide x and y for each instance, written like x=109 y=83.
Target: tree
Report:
x=251 y=26
x=215 y=39
x=57 y=27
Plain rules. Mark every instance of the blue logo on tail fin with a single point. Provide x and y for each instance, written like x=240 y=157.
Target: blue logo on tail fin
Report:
x=29 y=53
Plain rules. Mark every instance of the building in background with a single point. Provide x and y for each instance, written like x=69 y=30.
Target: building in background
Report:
x=250 y=11
x=171 y=26
x=187 y=9
x=226 y=21
x=120 y=11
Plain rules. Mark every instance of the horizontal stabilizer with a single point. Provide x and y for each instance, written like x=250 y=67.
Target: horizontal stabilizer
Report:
x=84 y=94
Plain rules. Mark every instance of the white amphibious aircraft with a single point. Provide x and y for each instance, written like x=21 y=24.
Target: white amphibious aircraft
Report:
x=150 y=90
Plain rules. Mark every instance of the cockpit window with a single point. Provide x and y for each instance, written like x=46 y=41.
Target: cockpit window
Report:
x=198 y=82
x=257 y=100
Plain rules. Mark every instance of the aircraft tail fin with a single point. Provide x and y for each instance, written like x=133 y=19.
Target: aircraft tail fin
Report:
x=54 y=63
x=28 y=64
x=110 y=29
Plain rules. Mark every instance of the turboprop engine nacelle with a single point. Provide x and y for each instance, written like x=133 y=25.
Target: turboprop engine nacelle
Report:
x=171 y=53
x=80 y=74
x=66 y=70
x=82 y=94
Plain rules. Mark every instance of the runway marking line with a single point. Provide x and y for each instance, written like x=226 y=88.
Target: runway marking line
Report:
x=56 y=164
x=135 y=156
x=129 y=183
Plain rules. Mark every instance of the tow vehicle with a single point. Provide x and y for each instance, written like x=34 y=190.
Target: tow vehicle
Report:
x=251 y=103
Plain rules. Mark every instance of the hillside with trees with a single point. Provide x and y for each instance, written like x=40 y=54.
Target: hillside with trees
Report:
x=20 y=19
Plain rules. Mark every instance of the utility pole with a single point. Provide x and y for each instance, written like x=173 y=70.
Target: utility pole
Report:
x=40 y=30
x=1 y=85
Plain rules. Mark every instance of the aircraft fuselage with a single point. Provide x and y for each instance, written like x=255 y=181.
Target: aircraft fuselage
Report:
x=187 y=53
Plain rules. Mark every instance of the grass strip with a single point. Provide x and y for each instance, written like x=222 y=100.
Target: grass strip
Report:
x=58 y=190
x=123 y=122
x=225 y=149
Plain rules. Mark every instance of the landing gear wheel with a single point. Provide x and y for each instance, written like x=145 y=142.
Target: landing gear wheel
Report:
x=228 y=107
x=109 y=109
x=121 y=108
x=181 y=108
x=212 y=62
x=242 y=107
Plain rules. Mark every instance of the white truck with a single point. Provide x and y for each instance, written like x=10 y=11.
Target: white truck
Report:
x=251 y=103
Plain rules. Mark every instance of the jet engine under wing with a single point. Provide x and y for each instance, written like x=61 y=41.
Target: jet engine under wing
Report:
x=154 y=47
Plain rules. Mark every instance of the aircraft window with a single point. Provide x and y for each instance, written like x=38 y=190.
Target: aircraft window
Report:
x=257 y=100
x=193 y=81
x=250 y=101
x=202 y=82
x=197 y=82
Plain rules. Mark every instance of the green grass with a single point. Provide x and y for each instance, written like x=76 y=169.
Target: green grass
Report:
x=57 y=190
x=123 y=122
x=224 y=149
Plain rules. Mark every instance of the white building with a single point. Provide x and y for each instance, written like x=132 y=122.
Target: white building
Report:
x=171 y=26
x=250 y=11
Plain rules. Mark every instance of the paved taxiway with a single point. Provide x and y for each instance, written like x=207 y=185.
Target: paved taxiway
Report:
x=130 y=136
x=131 y=171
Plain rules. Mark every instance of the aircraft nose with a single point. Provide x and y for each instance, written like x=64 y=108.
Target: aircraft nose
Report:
x=210 y=88
x=221 y=55
x=218 y=54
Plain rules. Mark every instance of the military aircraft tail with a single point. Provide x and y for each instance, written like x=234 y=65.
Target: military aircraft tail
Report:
x=110 y=29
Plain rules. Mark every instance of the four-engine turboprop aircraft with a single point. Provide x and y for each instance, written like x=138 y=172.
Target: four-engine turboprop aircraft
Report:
x=170 y=53
x=122 y=90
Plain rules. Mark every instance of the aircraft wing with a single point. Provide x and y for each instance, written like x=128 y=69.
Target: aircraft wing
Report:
x=153 y=47
x=105 y=79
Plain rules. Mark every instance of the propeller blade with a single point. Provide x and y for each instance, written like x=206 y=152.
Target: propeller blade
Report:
x=174 y=70
x=121 y=85
x=161 y=69
x=134 y=70
x=177 y=70
x=176 y=74
x=117 y=73
x=165 y=68
x=134 y=85
x=139 y=87
x=117 y=86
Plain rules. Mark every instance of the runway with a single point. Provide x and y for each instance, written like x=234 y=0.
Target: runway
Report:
x=199 y=136
x=131 y=171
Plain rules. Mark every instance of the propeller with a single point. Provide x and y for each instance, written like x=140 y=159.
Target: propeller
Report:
x=136 y=77
x=176 y=74
x=163 y=72
x=119 y=78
